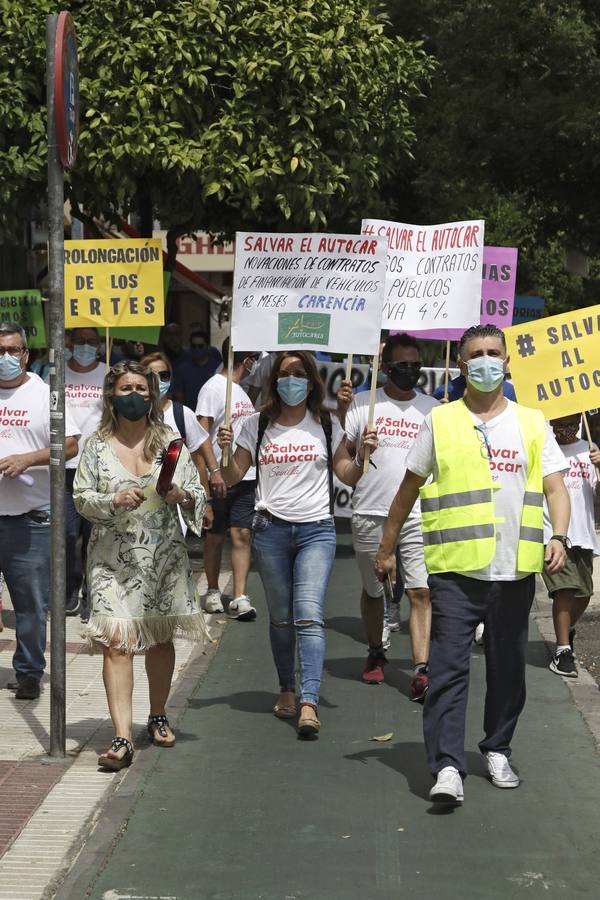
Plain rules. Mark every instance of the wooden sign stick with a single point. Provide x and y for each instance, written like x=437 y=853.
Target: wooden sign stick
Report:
x=227 y=423
x=588 y=435
x=447 y=372
x=374 y=371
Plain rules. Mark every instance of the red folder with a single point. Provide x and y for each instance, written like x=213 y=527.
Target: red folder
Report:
x=169 y=457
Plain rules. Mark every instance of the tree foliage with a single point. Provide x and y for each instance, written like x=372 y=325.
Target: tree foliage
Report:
x=217 y=114
x=510 y=128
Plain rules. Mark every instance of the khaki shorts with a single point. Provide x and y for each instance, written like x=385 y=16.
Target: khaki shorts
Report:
x=577 y=574
x=367 y=532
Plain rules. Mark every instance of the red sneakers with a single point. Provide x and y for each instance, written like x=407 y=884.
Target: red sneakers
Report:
x=373 y=671
x=419 y=687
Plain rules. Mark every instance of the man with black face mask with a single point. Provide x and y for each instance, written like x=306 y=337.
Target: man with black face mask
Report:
x=399 y=412
x=193 y=373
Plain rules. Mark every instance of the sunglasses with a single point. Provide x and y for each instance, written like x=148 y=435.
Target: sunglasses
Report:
x=163 y=375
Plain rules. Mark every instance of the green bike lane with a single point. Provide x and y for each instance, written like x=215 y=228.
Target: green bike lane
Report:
x=241 y=809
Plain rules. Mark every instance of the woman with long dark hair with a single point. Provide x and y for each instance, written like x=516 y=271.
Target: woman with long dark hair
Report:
x=140 y=583
x=296 y=447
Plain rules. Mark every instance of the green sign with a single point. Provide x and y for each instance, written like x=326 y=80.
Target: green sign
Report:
x=303 y=328
x=24 y=308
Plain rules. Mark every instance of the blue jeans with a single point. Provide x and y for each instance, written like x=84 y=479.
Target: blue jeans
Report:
x=25 y=562
x=294 y=561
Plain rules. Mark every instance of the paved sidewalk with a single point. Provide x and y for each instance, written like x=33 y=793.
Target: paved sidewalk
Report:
x=242 y=810
x=45 y=805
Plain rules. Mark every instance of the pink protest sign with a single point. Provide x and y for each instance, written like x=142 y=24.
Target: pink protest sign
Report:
x=498 y=285
x=499 y=275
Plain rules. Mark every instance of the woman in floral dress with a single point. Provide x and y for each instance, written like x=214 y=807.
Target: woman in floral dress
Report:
x=140 y=583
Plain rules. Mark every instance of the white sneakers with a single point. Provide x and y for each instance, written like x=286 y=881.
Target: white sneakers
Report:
x=212 y=602
x=500 y=771
x=479 y=633
x=386 y=642
x=241 y=609
x=448 y=787
x=394 y=616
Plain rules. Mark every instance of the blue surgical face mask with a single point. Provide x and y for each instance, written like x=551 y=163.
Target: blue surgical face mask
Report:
x=85 y=354
x=68 y=354
x=292 y=390
x=10 y=367
x=164 y=387
x=485 y=373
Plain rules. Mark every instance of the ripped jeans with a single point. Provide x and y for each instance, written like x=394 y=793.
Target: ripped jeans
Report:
x=294 y=561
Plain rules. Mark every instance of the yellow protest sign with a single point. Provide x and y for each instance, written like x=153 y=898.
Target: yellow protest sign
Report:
x=555 y=362
x=110 y=283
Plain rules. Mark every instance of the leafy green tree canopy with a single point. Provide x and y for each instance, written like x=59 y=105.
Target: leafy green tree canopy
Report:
x=215 y=113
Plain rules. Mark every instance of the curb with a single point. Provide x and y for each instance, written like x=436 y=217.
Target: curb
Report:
x=584 y=690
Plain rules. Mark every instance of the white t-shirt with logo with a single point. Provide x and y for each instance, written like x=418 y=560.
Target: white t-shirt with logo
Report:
x=294 y=481
x=398 y=423
x=508 y=465
x=25 y=428
x=83 y=392
x=580 y=481
x=195 y=435
x=211 y=403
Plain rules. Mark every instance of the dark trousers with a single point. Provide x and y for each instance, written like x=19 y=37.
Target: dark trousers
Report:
x=458 y=605
x=77 y=527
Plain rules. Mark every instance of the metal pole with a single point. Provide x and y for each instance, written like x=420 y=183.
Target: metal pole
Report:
x=56 y=202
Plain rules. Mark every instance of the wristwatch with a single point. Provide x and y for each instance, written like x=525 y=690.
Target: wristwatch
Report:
x=563 y=539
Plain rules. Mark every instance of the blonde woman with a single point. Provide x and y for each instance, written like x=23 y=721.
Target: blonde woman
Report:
x=140 y=584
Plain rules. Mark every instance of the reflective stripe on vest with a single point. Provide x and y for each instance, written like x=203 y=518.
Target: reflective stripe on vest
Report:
x=457 y=509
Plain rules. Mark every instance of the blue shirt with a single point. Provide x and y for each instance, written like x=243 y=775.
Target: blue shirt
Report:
x=190 y=377
x=458 y=385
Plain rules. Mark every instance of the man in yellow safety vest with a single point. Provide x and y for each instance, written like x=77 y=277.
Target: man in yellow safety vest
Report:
x=492 y=463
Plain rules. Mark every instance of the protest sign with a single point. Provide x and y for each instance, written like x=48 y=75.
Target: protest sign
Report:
x=113 y=283
x=554 y=362
x=527 y=308
x=149 y=334
x=309 y=291
x=333 y=373
x=433 y=277
x=24 y=308
x=498 y=285
x=342 y=499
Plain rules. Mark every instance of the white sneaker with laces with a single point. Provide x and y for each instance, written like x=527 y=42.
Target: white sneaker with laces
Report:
x=212 y=602
x=241 y=609
x=386 y=642
x=500 y=771
x=479 y=633
x=394 y=617
x=448 y=787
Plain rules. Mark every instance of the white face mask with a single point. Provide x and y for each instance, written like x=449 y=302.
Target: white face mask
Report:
x=253 y=367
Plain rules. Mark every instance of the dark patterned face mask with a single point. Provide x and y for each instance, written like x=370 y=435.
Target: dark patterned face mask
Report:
x=404 y=375
x=131 y=406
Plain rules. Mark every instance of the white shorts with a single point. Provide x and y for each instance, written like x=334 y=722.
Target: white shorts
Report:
x=367 y=532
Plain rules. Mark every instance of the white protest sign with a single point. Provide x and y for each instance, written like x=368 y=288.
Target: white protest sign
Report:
x=308 y=291
x=431 y=378
x=333 y=373
x=433 y=275
x=342 y=499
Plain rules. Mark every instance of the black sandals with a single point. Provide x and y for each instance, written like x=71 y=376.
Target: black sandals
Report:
x=115 y=763
x=159 y=725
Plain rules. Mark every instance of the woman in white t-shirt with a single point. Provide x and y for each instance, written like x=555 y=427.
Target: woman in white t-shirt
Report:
x=183 y=422
x=572 y=587
x=293 y=543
